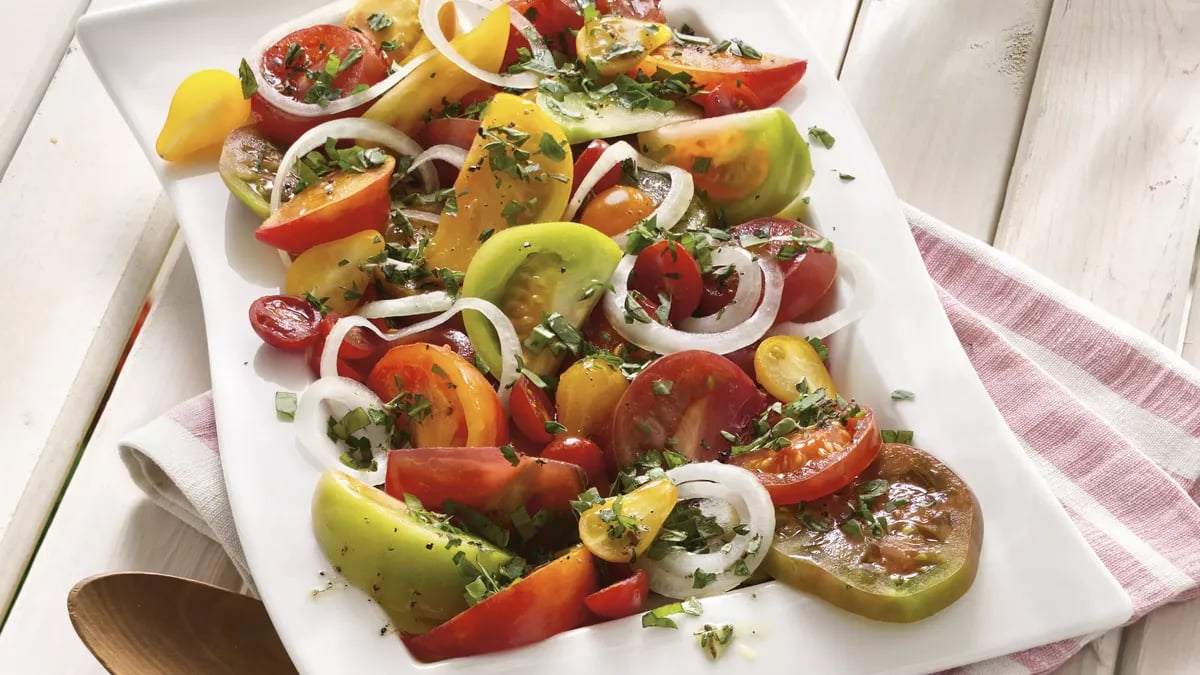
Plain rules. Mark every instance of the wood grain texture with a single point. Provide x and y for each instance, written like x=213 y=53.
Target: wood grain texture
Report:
x=1102 y=192
x=942 y=86
x=105 y=245
x=1164 y=642
x=136 y=623
x=104 y=523
x=827 y=25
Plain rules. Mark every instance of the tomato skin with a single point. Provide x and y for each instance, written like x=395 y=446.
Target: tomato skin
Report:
x=820 y=476
x=285 y=322
x=316 y=43
x=616 y=209
x=531 y=409
x=553 y=19
x=709 y=394
x=444 y=336
x=621 y=599
x=585 y=162
x=483 y=479
x=547 y=602
x=359 y=351
x=807 y=278
x=716 y=293
x=456 y=131
x=667 y=267
x=583 y=453
x=769 y=78
x=725 y=99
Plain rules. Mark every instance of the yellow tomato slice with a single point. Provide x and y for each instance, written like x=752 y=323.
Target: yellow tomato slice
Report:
x=518 y=171
x=617 y=44
x=588 y=393
x=783 y=361
x=621 y=528
x=207 y=106
x=333 y=271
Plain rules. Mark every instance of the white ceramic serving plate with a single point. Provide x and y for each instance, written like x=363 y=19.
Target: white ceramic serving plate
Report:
x=1038 y=581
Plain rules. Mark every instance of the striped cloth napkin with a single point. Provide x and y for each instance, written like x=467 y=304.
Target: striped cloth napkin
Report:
x=1109 y=416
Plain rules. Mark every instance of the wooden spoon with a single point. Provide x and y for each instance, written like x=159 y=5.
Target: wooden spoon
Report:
x=139 y=623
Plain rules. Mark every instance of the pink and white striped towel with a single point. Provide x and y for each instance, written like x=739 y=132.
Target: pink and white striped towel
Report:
x=1109 y=416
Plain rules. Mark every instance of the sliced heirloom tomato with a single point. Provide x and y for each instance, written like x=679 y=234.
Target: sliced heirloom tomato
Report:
x=683 y=402
x=547 y=602
x=621 y=599
x=337 y=207
x=616 y=44
x=815 y=461
x=666 y=268
x=808 y=273
x=585 y=454
x=333 y=271
x=900 y=543
x=531 y=410
x=517 y=171
x=206 y=107
x=616 y=209
x=587 y=160
x=751 y=164
x=297 y=66
x=533 y=271
x=285 y=322
x=620 y=529
x=484 y=479
x=446 y=402
x=769 y=77
x=555 y=20
x=588 y=393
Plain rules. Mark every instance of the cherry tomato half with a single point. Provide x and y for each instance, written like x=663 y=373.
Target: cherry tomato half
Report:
x=285 y=322
x=585 y=454
x=727 y=99
x=554 y=20
x=585 y=162
x=667 y=268
x=616 y=209
x=531 y=409
x=817 y=462
x=621 y=599
x=309 y=50
x=769 y=77
x=807 y=276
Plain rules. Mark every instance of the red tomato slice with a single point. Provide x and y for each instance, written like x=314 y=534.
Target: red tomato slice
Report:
x=667 y=267
x=484 y=479
x=462 y=408
x=309 y=49
x=359 y=351
x=624 y=598
x=587 y=160
x=341 y=205
x=445 y=336
x=769 y=78
x=806 y=278
x=547 y=602
x=285 y=322
x=554 y=20
x=724 y=99
x=456 y=131
x=708 y=394
x=583 y=453
x=818 y=462
x=531 y=409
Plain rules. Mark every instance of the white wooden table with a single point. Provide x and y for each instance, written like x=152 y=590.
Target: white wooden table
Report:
x=1066 y=132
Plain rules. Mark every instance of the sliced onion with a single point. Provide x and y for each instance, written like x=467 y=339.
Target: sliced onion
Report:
x=329 y=14
x=662 y=340
x=669 y=212
x=423 y=216
x=510 y=344
x=428 y=16
x=673 y=575
x=861 y=281
x=742 y=306
x=450 y=154
x=335 y=396
x=353 y=128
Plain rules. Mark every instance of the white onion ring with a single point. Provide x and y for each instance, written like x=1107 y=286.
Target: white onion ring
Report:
x=669 y=212
x=510 y=344
x=742 y=306
x=450 y=154
x=861 y=281
x=311 y=422
x=662 y=340
x=428 y=16
x=423 y=216
x=353 y=128
x=673 y=575
x=329 y=14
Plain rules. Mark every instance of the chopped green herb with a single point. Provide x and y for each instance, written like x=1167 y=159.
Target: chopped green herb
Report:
x=249 y=82
x=551 y=148
x=819 y=346
x=845 y=177
x=823 y=137
x=701 y=164
x=319 y=303
x=662 y=387
x=379 y=21
x=510 y=454
x=896 y=436
x=700 y=578
x=553 y=427
x=902 y=395
x=714 y=639
x=586 y=500
x=285 y=405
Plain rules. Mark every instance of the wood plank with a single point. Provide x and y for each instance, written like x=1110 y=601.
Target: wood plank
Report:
x=77 y=267
x=104 y=522
x=942 y=86
x=827 y=25
x=41 y=32
x=1164 y=642
x=1101 y=197
x=1097 y=658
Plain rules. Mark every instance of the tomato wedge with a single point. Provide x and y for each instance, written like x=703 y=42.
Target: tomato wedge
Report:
x=547 y=602
x=587 y=160
x=585 y=454
x=285 y=321
x=768 y=78
x=531 y=410
x=446 y=401
x=666 y=267
x=683 y=402
x=624 y=598
x=807 y=275
x=816 y=461
x=483 y=479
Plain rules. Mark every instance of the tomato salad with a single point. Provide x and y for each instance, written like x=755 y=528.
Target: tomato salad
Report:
x=565 y=322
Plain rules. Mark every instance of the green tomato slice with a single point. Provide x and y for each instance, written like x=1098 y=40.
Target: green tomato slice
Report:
x=532 y=272
x=751 y=164
x=900 y=543
x=247 y=166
